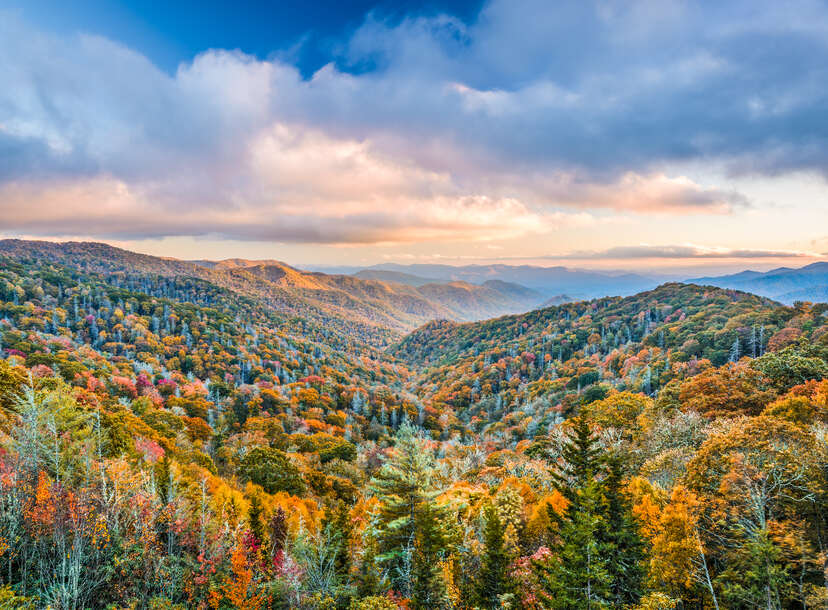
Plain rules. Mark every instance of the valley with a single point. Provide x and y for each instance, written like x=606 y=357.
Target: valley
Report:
x=413 y=305
x=275 y=415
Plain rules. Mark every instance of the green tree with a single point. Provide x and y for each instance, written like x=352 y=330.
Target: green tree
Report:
x=578 y=576
x=338 y=521
x=791 y=366
x=757 y=574
x=492 y=582
x=581 y=461
x=625 y=546
x=254 y=517
x=369 y=576
x=271 y=469
x=428 y=589
x=405 y=485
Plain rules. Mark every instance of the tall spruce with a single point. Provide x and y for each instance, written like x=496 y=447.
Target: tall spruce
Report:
x=625 y=546
x=598 y=555
x=492 y=581
x=577 y=576
x=428 y=588
x=338 y=521
x=581 y=461
x=254 y=518
x=405 y=486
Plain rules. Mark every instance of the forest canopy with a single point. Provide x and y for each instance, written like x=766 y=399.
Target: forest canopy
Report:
x=166 y=442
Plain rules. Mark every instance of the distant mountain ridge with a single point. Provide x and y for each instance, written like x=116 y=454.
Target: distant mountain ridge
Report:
x=549 y=281
x=786 y=285
x=347 y=304
x=393 y=276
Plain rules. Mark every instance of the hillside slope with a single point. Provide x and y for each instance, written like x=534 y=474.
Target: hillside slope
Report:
x=197 y=448
x=640 y=343
x=371 y=310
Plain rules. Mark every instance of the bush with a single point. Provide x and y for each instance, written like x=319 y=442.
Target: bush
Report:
x=374 y=602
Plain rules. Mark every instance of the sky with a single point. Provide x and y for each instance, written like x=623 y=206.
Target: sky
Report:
x=645 y=135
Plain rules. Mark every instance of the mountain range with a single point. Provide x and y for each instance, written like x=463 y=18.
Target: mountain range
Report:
x=562 y=284
x=254 y=393
x=549 y=281
x=786 y=285
x=378 y=305
x=361 y=307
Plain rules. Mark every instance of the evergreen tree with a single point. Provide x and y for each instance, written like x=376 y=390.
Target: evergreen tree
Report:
x=599 y=552
x=278 y=531
x=254 y=517
x=625 y=546
x=578 y=575
x=368 y=576
x=492 y=580
x=338 y=521
x=405 y=485
x=580 y=461
x=428 y=590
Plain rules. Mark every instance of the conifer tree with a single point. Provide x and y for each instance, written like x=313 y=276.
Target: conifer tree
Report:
x=578 y=575
x=338 y=521
x=254 y=516
x=428 y=589
x=625 y=546
x=492 y=581
x=599 y=551
x=277 y=532
x=405 y=485
x=368 y=577
x=580 y=461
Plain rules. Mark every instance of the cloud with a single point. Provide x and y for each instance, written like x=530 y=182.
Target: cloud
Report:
x=526 y=120
x=287 y=186
x=610 y=87
x=680 y=252
x=635 y=192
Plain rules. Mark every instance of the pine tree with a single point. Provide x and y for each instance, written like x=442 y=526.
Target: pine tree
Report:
x=254 y=516
x=405 y=485
x=368 y=576
x=428 y=590
x=338 y=521
x=278 y=532
x=625 y=546
x=599 y=554
x=578 y=575
x=492 y=580
x=580 y=461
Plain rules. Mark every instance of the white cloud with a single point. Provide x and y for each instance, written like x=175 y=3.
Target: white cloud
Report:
x=528 y=120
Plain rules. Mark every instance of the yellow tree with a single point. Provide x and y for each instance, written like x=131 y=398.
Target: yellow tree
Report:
x=678 y=562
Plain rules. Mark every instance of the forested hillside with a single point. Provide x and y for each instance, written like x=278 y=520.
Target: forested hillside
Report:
x=370 y=311
x=546 y=362
x=176 y=436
